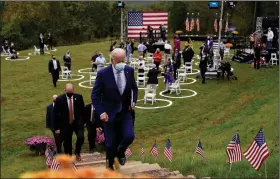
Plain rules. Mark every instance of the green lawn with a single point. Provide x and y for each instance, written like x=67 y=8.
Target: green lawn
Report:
x=213 y=115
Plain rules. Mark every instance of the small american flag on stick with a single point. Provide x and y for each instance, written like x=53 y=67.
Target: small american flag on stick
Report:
x=128 y=152
x=234 y=150
x=168 y=150
x=154 y=150
x=142 y=151
x=199 y=150
x=257 y=151
x=55 y=165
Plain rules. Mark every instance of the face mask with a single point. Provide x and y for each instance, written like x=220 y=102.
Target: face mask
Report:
x=69 y=95
x=120 y=66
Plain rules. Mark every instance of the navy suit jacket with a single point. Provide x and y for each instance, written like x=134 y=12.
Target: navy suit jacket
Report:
x=105 y=93
x=50 y=117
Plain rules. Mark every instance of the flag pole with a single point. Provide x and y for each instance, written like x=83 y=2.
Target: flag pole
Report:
x=265 y=169
x=194 y=152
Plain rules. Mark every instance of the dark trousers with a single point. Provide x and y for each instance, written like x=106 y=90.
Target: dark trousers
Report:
x=67 y=134
x=58 y=141
x=50 y=44
x=119 y=134
x=91 y=128
x=202 y=73
x=41 y=48
x=175 y=73
x=94 y=67
x=55 y=77
x=157 y=65
x=257 y=63
x=68 y=65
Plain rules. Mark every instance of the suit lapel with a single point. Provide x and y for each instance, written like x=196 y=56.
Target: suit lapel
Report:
x=126 y=77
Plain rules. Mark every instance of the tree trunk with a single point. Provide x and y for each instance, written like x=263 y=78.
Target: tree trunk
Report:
x=254 y=17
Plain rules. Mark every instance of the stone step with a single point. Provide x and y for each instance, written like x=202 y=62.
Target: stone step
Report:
x=91 y=163
x=127 y=167
x=159 y=173
x=98 y=165
x=141 y=168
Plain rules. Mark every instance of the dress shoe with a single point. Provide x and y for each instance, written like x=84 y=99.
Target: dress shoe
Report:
x=91 y=151
x=78 y=157
x=122 y=160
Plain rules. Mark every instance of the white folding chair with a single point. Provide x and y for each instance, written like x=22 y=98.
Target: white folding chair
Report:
x=150 y=60
x=46 y=47
x=175 y=87
x=141 y=79
x=273 y=59
x=5 y=52
x=36 y=50
x=182 y=75
x=92 y=77
x=66 y=73
x=150 y=93
x=188 y=67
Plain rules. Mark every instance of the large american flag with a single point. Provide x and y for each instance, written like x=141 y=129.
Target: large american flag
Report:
x=187 y=25
x=216 y=25
x=234 y=150
x=139 y=21
x=192 y=25
x=197 y=25
x=128 y=152
x=168 y=150
x=226 y=28
x=258 y=151
x=154 y=150
x=199 y=149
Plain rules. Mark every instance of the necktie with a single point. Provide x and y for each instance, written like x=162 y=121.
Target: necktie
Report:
x=70 y=111
x=92 y=114
x=119 y=82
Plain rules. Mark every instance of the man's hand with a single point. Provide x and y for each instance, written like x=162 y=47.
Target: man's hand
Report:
x=57 y=131
x=99 y=129
x=131 y=108
x=104 y=117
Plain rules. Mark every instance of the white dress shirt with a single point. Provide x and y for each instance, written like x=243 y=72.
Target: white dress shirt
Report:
x=100 y=60
x=68 y=101
x=122 y=78
x=270 y=35
x=92 y=108
x=54 y=64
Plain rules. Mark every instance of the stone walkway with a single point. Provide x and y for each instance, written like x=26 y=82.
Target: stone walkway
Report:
x=97 y=161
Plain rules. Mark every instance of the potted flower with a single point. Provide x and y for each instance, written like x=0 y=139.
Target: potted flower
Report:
x=38 y=144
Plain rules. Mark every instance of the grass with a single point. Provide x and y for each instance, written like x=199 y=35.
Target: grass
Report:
x=213 y=116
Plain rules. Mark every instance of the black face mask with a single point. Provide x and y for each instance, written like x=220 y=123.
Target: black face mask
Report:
x=69 y=94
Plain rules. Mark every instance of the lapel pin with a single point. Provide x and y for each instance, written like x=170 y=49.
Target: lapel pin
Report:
x=75 y=98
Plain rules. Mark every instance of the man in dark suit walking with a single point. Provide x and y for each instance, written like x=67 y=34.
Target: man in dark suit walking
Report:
x=50 y=124
x=93 y=122
x=54 y=68
x=176 y=58
x=68 y=113
x=114 y=96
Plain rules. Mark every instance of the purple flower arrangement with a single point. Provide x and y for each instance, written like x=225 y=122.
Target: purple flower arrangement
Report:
x=100 y=137
x=39 y=143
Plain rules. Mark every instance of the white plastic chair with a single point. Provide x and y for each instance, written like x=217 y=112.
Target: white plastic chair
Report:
x=66 y=73
x=150 y=94
x=141 y=79
x=5 y=52
x=273 y=59
x=188 y=67
x=175 y=87
x=36 y=50
x=92 y=77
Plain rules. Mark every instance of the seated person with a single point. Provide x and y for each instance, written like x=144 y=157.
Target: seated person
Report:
x=67 y=60
x=141 y=61
x=13 y=51
x=168 y=78
x=141 y=70
x=6 y=45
